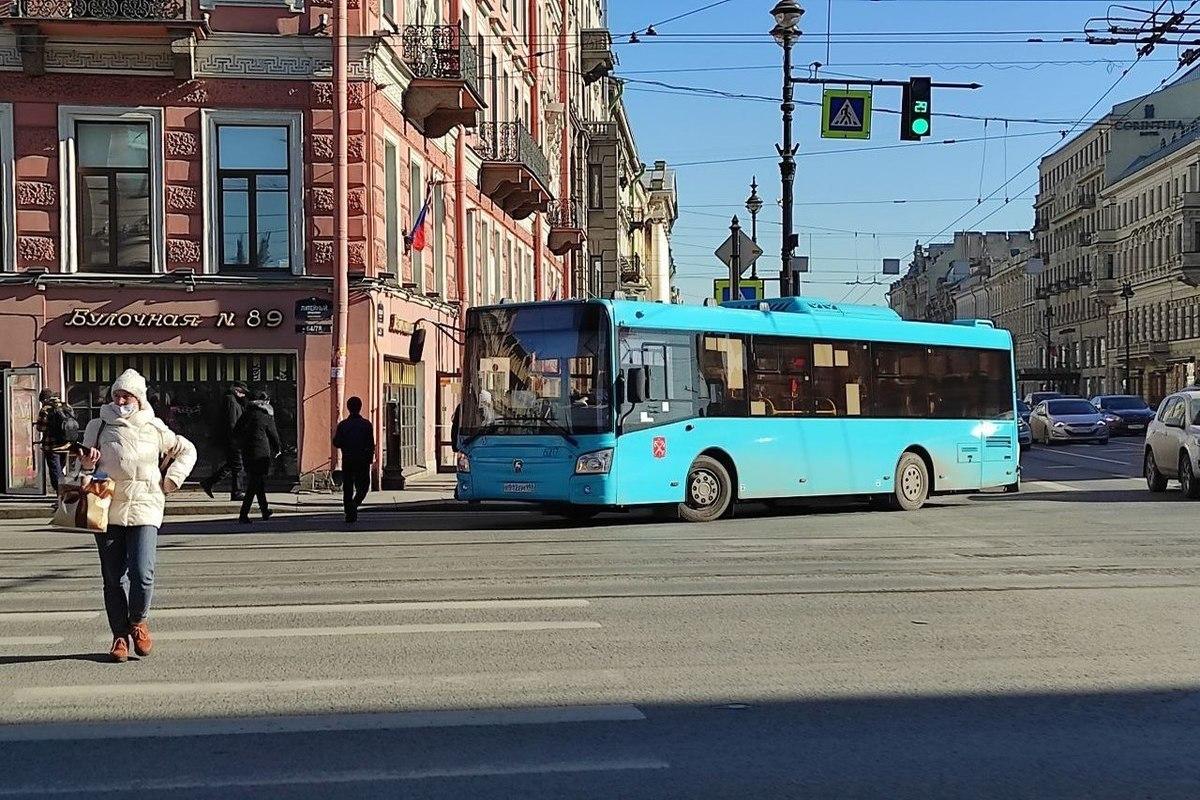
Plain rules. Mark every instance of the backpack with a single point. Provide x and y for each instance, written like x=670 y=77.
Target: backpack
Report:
x=62 y=427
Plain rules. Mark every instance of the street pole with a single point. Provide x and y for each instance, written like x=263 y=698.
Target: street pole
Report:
x=1127 y=294
x=735 y=261
x=787 y=169
x=341 y=255
x=754 y=204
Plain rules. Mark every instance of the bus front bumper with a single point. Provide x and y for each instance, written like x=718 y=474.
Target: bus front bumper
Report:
x=576 y=489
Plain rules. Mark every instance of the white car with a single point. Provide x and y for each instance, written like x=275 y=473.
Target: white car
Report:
x=1173 y=444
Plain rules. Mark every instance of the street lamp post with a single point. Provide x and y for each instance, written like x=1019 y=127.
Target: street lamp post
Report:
x=754 y=204
x=787 y=14
x=1127 y=295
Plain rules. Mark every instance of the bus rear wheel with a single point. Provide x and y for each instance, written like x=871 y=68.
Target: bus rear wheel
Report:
x=708 y=493
x=911 y=488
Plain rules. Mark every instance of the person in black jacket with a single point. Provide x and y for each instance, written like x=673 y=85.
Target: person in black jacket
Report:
x=258 y=439
x=228 y=415
x=356 y=439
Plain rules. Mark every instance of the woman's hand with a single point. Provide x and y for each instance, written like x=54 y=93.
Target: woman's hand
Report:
x=89 y=457
x=169 y=486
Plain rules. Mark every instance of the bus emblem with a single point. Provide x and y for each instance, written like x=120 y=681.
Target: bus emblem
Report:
x=518 y=465
x=659 y=447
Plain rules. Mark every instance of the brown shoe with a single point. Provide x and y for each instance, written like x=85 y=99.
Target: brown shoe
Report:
x=119 y=650
x=139 y=632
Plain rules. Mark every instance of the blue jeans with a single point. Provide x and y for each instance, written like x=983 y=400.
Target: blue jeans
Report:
x=54 y=468
x=127 y=564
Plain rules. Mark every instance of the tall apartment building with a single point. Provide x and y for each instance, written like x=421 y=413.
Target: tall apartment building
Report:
x=167 y=203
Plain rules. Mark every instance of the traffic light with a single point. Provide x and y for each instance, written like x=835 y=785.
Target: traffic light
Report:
x=916 y=111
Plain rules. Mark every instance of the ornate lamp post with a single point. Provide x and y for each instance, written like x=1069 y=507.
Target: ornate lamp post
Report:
x=754 y=204
x=787 y=14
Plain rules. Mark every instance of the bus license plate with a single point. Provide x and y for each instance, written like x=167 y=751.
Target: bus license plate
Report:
x=519 y=488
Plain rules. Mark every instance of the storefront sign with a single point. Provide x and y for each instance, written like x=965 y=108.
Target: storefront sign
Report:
x=254 y=318
x=397 y=324
x=314 y=309
x=1149 y=124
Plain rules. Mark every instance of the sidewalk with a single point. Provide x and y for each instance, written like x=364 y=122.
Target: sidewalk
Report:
x=435 y=493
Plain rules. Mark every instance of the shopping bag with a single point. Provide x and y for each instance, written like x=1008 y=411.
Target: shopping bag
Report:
x=83 y=503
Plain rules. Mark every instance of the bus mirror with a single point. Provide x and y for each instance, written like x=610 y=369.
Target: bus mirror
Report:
x=416 y=345
x=635 y=385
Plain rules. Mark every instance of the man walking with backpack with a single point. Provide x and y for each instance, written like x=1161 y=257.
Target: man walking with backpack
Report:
x=59 y=428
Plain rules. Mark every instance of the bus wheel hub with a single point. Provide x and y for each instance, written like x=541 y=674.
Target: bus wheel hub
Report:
x=704 y=488
x=910 y=482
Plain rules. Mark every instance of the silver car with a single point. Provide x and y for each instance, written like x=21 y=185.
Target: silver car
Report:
x=1172 y=444
x=1068 y=419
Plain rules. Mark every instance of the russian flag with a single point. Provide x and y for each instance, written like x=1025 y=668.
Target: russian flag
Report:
x=416 y=237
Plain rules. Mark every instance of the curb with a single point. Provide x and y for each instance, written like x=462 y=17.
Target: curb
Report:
x=232 y=509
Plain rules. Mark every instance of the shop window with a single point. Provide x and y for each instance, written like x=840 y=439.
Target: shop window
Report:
x=253 y=197
x=112 y=204
x=254 y=201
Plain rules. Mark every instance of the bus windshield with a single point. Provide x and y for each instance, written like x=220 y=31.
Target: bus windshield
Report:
x=538 y=370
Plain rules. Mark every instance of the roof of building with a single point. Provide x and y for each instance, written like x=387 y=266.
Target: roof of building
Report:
x=1190 y=134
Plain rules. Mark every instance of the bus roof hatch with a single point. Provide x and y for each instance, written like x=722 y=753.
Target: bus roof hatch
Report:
x=815 y=306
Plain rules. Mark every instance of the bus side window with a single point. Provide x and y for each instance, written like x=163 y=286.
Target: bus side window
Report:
x=723 y=368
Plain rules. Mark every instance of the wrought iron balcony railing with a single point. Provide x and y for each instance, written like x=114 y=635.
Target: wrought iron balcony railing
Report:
x=441 y=52
x=631 y=269
x=564 y=214
x=512 y=143
x=131 y=10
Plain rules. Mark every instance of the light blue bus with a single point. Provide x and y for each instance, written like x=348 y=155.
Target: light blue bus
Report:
x=583 y=406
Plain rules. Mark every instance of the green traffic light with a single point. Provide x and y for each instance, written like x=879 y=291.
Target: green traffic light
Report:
x=920 y=126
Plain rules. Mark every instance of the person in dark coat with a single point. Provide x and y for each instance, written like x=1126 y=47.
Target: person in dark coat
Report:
x=227 y=417
x=258 y=438
x=355 y=437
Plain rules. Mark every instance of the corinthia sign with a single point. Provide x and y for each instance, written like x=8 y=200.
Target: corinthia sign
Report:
x=254 y=318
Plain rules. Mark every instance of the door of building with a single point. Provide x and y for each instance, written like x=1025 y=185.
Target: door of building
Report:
x=449 y=395
x=403 y=441
x=23 y=471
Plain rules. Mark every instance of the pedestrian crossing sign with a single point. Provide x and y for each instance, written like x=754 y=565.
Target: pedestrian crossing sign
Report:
x=846 y=114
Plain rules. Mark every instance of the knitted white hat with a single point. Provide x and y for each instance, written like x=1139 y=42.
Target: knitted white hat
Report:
x=131 y=381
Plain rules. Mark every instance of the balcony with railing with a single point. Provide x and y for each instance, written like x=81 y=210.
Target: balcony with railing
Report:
x=596 y=55
x=566 y=226
x=515 y=172
x=632 y=272
x=164 y=22
x=445 y=91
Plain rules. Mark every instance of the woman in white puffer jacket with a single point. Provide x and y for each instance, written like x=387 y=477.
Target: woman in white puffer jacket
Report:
x=130 y=445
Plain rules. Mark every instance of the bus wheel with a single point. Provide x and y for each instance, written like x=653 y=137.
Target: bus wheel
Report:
x=912 y=483
x=709 y=491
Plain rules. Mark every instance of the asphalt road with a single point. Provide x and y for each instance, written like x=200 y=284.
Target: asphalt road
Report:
x=1036 y=645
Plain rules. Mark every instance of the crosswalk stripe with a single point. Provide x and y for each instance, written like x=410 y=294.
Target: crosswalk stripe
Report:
x=403 y=720
x=19 y=641
x=46 y=616
x=353 y=608
x=369 y=630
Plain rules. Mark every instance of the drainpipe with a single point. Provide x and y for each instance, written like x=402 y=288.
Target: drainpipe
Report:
x=460 y=200
x=535 y=128
x=341 y=254
x=564 y=166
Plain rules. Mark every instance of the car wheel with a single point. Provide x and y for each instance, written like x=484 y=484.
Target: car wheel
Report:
x=1187 y=478
x=1155 y=480
x=911 y=488
x=708 y=493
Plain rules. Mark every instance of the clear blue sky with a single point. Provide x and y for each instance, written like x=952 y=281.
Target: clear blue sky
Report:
x=725 y=48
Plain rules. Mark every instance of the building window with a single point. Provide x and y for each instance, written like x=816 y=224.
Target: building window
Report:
x=253 y=200
x=596 y=186
x=112 y=196
x=469 y=235
x=439 y=239
x=253 y=192
x=8 y=214
x=391 y=205
x=416 y=201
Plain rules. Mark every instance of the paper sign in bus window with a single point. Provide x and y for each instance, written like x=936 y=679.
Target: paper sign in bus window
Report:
x=853 y=400
x=822 y=355
x=841 y=358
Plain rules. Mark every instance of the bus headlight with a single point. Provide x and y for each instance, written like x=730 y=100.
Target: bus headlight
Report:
x=597 y=463
x=464 y=462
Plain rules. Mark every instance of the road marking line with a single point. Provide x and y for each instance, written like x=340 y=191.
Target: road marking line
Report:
x=67 y=695
x=1061 y=487
x=351 y=608
x=403 y=720
x=368 y=630
x=1094 y=458
x=338 y=778
x=17 y=641
x=40 y=616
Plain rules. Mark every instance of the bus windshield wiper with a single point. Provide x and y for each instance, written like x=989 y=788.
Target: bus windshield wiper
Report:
x=531 y=422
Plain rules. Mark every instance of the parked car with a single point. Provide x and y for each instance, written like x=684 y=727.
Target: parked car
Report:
x=1023 y=411
x=1068 y=419
x=1172 y=450
x=1033 y=398
x=1024 y=434
x=1125 y=413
